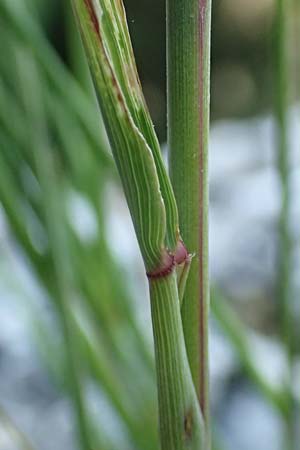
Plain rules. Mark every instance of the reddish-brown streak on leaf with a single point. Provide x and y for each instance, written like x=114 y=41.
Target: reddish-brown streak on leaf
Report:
x=115 y=84
x=93 y=15
x=95 y=22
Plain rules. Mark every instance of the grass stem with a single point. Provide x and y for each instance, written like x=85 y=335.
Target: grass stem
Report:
x=281 y=70
x=181 y=425
x=188 y=68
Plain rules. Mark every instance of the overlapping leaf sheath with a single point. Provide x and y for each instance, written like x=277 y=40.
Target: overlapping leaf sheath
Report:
x=134 y=143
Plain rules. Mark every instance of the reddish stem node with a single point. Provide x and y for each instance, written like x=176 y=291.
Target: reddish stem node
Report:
x=165 y=268
x=181 y=254
x=169 y=261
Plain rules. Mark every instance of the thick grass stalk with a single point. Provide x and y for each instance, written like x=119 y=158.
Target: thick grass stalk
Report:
x=180 y=418
x=134 y=144
x=153 y=209
x=188 y=45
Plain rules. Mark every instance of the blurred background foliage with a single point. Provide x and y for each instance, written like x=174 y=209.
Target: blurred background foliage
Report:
x=76 y=356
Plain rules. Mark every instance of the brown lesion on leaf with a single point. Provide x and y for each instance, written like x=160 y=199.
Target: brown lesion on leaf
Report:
x=133 y=78
x=93 y=15
x=115 y=85
x=117 y=90
x=188 y=424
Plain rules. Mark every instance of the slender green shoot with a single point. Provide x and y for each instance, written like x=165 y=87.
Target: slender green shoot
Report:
x=188 y=46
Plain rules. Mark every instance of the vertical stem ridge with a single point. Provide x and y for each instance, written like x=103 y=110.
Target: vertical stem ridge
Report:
x=188 y=44
x=281 y=67
x=203 y=218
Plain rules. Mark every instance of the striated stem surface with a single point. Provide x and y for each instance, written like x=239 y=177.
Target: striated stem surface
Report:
x=181 y=424
x=188 y=44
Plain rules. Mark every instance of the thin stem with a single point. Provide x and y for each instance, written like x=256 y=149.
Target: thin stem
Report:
x=284 y=250
x=282 y=158
x=181 y=425
x=188 y=44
